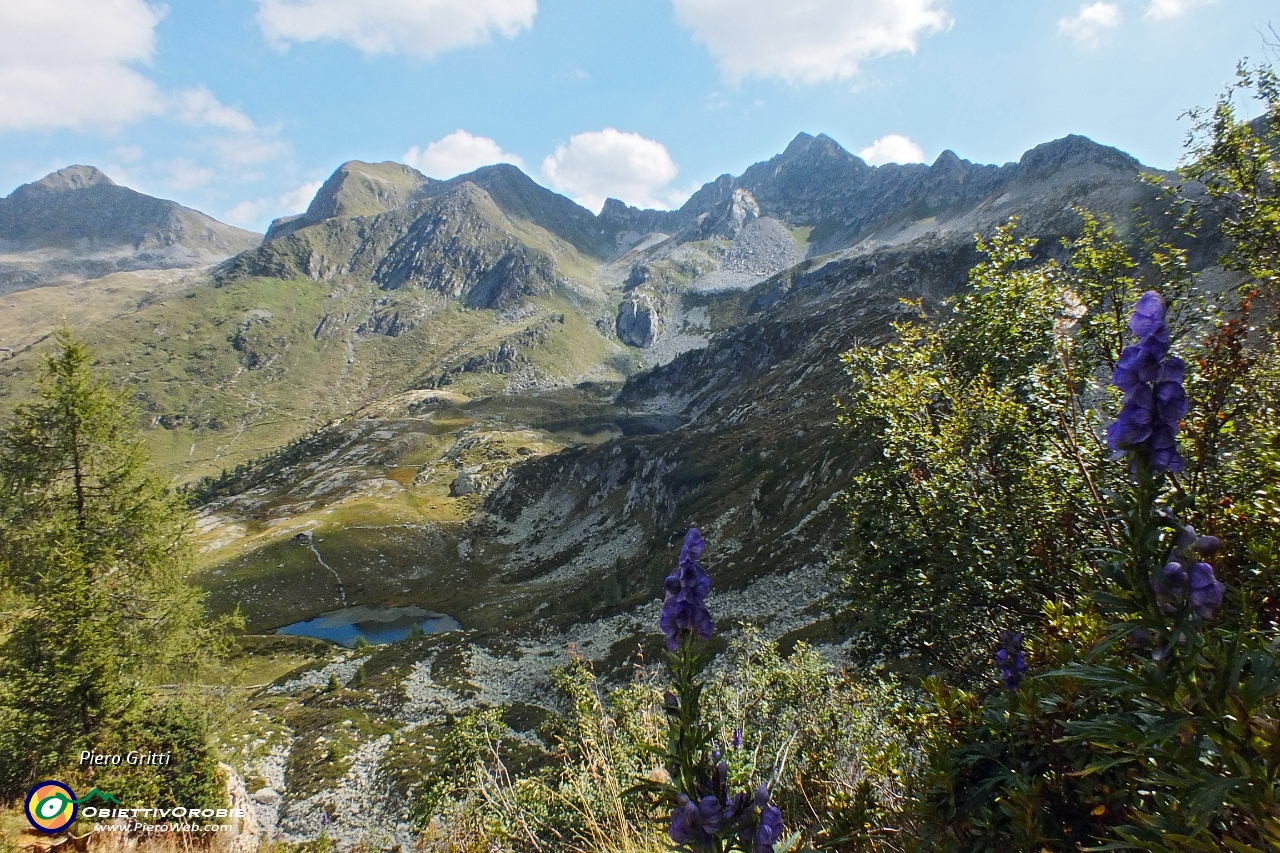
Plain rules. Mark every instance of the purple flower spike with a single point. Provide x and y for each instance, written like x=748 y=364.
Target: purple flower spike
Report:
x=1155 y=402
x=685 y=613
x=1011 y=660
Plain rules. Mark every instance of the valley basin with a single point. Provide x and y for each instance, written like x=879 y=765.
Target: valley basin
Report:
x=377 y=624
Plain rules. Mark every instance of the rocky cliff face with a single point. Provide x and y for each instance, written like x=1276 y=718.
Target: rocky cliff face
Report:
x=489 y=238
x=639 y=321
x=463 y=245
x=77 y=223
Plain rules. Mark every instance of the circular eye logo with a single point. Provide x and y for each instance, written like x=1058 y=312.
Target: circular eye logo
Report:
x=51 y=807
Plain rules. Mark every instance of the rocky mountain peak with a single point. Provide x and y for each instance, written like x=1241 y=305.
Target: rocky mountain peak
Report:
x=77 y=223
x=948 y=161
x=814 y=149
x=357 y=188
x=70 y=179
x=363 y=189
x=522 y=198
x=1073 y=151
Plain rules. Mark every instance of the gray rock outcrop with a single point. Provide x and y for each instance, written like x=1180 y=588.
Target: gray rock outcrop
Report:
x=639 y=321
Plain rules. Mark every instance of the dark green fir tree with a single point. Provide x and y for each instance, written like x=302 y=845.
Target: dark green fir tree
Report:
x=94 y=553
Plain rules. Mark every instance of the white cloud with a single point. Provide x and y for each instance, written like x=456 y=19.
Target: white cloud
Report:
x=296 y=200
x=807 y=41
x=457 y=153
x=67 y=63
x=420 y=27
x=893 y=148
x=199 y=106
x=257 y=213
x=185 y=175
x=1159 y=10
x=609 y=162
x=70 y=63
x=245 y=143
x=251 y=150
x=1087 y=26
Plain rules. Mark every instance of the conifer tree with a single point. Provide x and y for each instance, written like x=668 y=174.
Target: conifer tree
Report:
x=93 y=557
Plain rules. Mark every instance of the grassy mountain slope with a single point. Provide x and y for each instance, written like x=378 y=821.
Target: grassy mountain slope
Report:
x=235 y=367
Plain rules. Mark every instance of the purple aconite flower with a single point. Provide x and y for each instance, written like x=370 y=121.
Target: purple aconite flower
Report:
x=1207 y=546
x=760 y=836
x=1148 y=317
x=686 y=823
x=1206 y=590
x=769 y=830
x=1151 y=379
x=694 y=825
x=1011 y=660
x=684 y=612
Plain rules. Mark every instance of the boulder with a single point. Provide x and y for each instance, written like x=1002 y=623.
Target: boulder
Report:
x=639 y=321
x=266 y=796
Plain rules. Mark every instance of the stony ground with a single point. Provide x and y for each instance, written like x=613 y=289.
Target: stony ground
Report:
x=365 y=798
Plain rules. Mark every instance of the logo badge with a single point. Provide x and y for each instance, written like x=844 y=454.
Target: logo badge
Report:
x=51 y=807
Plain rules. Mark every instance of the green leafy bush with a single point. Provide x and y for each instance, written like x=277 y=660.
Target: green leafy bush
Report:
x=1152 y=717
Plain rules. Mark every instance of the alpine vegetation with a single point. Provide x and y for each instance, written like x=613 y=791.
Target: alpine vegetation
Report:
x=707 y=816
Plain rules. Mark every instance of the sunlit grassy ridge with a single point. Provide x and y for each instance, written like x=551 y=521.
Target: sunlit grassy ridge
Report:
x=225 y=374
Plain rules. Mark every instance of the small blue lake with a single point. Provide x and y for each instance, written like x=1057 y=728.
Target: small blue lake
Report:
x=378 y=625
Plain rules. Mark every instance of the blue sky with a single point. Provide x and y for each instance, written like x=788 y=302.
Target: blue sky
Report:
x=241 y=107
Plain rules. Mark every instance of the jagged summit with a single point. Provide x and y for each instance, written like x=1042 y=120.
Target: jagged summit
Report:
x=358 y=189
x=815 y=149
x=522 y=198
x=362 y=189
x=455 y=240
